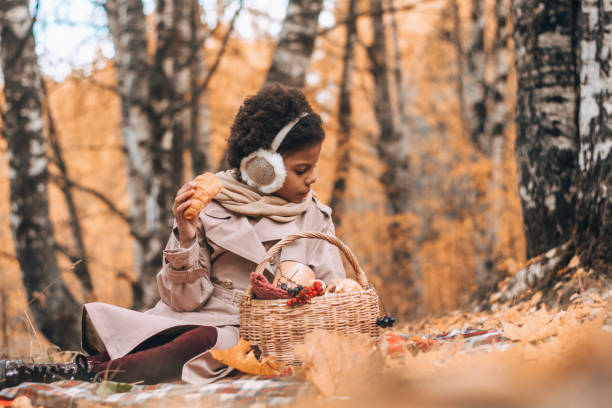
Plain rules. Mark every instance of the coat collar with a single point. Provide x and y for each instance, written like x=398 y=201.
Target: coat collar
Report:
x=237 y=235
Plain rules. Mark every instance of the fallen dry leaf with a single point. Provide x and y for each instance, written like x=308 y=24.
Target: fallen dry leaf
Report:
x=338 y=364
x=242 y=357
x=511 y=315
x=536 y=326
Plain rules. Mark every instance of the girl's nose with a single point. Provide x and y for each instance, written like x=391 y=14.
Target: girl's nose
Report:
x=311 y=178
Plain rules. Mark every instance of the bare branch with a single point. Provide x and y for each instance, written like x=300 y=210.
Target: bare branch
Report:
x=7 y=254
x=59 y=179
x=224 y=42
x=383 y=11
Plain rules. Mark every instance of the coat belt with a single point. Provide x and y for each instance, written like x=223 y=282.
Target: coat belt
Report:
x=231 y=296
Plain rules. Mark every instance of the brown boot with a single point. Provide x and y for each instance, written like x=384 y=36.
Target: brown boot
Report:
x=14 y=372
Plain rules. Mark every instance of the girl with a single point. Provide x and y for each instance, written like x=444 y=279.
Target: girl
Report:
x=273 y=150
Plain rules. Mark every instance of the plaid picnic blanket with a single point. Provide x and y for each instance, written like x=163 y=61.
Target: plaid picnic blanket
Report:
x=235 y=392
x=241 y=392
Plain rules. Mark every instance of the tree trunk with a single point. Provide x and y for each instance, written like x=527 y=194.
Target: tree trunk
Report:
x=391 y=147
x=585 y=118
x=492 y=144
x=393 y=151
x=473 y=94
x=412 y=128
x=161 y=102
x=199 y=127
x=55 y=311
x=547 y=139
x=338 y=195
x=295 y=44
x=127 y=26
x=593 y=229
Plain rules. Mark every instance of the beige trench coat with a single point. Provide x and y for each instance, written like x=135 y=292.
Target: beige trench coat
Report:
x=202 y=285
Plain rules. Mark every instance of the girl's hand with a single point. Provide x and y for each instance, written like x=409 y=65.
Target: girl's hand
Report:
x=186 y=228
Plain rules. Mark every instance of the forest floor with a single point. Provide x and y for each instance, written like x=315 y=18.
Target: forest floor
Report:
x=542 y=357
x=535 y=357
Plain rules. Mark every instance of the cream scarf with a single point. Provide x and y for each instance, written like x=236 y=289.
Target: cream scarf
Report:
x=243 y=199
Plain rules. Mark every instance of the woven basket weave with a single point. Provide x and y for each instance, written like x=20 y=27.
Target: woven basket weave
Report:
x=276 y=327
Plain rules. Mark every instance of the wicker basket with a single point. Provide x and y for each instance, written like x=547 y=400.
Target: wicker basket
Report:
x=276 y=328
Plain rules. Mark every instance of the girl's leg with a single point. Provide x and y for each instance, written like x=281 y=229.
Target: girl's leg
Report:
x=159 y=363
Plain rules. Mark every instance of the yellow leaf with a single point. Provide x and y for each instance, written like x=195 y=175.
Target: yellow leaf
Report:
x=242 y=357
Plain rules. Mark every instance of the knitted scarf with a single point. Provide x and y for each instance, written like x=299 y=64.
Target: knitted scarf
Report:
x=243 y=199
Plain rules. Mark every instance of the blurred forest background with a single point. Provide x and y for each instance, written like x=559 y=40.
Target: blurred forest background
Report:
x=421 y=164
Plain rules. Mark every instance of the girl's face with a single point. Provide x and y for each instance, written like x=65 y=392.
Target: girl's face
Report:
x=300 y=168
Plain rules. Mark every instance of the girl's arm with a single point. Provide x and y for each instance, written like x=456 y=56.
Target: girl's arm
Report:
x=184 y=280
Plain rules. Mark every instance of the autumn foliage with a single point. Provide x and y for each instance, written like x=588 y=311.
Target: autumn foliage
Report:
x=450 y=176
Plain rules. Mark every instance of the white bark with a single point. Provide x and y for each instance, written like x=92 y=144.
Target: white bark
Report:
x=295 y=44
x=547 y=142
x=53 y=307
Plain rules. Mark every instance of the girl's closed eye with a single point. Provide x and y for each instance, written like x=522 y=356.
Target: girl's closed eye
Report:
x=301 y=170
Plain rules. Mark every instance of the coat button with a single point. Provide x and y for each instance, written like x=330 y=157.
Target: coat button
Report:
x=228 y=284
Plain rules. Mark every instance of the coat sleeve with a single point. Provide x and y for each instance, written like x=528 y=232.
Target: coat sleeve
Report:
x=324 y=258
x=184 y=280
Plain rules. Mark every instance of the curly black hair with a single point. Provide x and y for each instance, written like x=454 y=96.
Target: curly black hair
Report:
x=264 y=114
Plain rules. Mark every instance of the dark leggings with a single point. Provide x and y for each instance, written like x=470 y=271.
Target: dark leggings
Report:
x=159 y=359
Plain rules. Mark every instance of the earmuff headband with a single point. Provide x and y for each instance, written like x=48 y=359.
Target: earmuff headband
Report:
x=280 y=136
x=264 y=168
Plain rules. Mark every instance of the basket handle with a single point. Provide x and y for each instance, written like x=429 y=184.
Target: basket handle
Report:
x=359 y=273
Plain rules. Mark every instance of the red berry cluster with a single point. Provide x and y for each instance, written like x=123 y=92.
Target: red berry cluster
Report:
x=306 y=294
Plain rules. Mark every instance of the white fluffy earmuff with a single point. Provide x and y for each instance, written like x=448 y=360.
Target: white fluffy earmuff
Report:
x=264 y=169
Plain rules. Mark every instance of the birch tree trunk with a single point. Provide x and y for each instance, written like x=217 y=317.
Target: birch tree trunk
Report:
x=338 y=196
x=547 y=138
x=199 y=127
x=593 y=229
x=474 y=102
x=127 y=26
x=162 y=113
x=392 y=150
x=295 y=44
x=492 y=143
x=578 y=35
x=472 y=64
x=54 y=309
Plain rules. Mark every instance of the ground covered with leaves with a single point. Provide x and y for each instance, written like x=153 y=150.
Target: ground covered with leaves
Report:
x=559 y=357
x=528 y=355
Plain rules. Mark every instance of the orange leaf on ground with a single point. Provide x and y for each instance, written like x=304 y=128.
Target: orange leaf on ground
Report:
x=395 y=343
x=242 y=357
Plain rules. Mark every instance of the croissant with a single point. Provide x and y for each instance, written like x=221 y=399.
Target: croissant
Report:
x=207 y=187
x=343 y=286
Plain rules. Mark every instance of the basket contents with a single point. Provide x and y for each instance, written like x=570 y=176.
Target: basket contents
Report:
x=303 y=295
x=207 y=187
x=291 y=274
x=247 y=358
x=343 y=286
x=265 y=290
